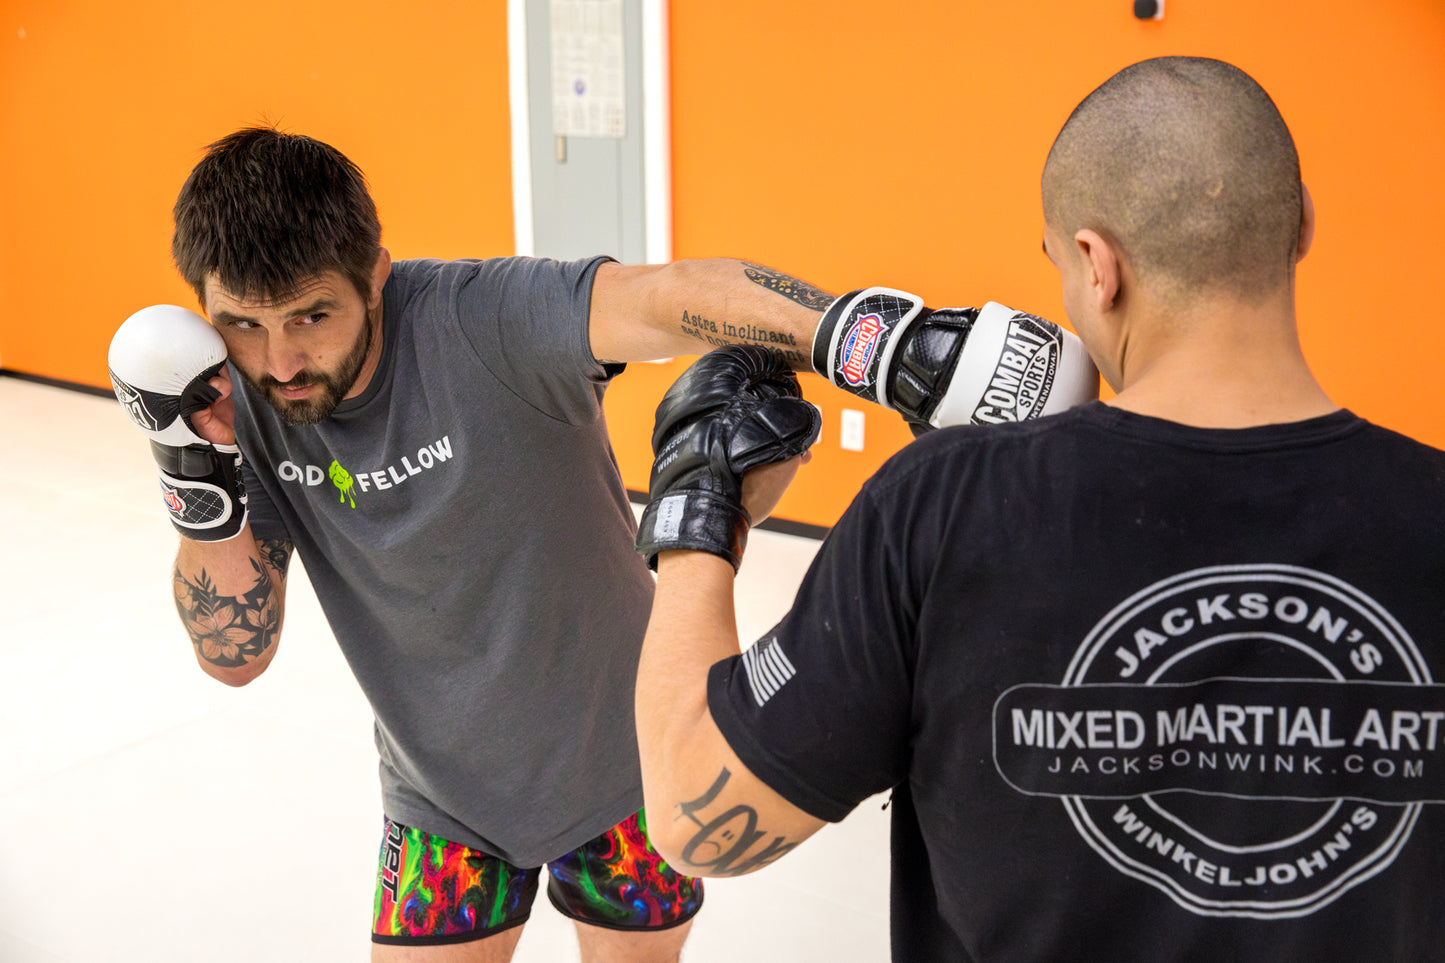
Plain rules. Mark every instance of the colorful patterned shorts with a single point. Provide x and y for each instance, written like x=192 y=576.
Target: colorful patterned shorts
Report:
x=432 y=891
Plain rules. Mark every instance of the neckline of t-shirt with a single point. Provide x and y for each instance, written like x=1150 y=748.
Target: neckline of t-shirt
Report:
x=1317 y=430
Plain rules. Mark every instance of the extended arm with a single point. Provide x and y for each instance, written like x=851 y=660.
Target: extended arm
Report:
x=690 y=307
x=952 y=366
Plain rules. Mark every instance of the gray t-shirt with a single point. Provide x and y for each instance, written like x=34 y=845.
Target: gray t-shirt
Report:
x=471 y=543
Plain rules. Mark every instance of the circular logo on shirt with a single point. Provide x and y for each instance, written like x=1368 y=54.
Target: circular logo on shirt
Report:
x=1266 y=794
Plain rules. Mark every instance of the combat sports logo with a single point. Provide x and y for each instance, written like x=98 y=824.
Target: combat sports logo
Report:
x=865 y=339
x=1023 y=374
x=859 y=346
x=1265 y=797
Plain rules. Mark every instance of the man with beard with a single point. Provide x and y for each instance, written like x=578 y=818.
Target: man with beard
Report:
x=429 y=436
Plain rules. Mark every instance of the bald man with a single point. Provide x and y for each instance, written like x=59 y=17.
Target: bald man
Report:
x=1150 y=679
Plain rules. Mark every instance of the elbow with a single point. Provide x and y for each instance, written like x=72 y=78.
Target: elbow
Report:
x=237 y=675
x=675 y=832
x=667 y=835
x=684 y=277
x=234 y=677
x=671 y=847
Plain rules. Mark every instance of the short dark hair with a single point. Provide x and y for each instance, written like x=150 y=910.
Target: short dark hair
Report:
x=265 y=211
x=1186 y=163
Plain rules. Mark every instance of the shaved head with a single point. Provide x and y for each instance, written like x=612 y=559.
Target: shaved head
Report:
x=1187 y=165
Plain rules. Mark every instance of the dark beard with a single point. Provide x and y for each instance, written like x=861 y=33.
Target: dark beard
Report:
x=334 y=387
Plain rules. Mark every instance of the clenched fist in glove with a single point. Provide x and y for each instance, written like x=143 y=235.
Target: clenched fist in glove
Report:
x=161 y=361
x=735 y=409
x=953 y=366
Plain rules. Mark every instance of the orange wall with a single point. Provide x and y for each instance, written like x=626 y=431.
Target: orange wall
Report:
x=826 y=139
x=854 y=147
x=105 y=107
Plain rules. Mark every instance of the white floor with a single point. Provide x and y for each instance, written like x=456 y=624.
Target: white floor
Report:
x=150 y=814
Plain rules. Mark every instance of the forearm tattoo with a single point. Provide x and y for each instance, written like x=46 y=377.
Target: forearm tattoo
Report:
x=276 y=553
x=720 y=333
x=230 y=631
x=789 y=287
x=724 y=845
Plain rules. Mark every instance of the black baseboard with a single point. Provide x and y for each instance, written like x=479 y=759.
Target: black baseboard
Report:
x=781 y=525
x=57 y=383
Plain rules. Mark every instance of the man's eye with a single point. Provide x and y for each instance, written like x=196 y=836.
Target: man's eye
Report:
x=311 y=319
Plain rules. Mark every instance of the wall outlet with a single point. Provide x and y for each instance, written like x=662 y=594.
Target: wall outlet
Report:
x=850 y=436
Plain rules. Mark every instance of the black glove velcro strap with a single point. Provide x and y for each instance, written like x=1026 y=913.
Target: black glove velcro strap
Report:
x=202 y=489
x=696 y=520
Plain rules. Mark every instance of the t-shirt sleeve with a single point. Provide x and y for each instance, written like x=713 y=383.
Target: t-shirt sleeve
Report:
x=820 y=708
x=528 y=319
x=265 y=521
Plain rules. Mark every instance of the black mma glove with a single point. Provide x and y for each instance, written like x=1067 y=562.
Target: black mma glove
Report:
x=953 y=366
x=735 y=409
x=161 y=359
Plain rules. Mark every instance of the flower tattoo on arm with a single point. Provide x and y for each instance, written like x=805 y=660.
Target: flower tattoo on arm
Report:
x=230 y=631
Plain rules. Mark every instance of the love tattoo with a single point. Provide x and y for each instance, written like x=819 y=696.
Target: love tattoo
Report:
x=726 y=844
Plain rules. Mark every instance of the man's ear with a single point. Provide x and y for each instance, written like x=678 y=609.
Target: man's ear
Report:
x=380 y=271
x=1104 y=275
x=1306 y=223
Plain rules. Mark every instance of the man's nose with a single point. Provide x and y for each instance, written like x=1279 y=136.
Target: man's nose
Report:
x=283 y=360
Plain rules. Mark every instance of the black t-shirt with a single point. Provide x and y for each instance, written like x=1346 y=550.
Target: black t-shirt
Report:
x=1141 y=691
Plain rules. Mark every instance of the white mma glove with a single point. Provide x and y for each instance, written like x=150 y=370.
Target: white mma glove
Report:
x=953 y=366
x=161 y=360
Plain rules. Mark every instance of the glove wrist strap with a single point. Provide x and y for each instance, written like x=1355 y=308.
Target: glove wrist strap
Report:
x=696 y=520
x=854 y=343
x=202 y=489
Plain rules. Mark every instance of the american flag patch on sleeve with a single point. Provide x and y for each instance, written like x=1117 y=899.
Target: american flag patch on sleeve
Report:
x=768 y=668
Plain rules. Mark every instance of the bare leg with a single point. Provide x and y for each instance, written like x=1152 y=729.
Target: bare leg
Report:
x=492 y=949
x=601 y=945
